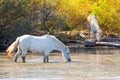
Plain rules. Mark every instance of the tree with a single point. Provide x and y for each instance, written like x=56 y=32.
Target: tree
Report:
x=43 y=13
x=12 y=18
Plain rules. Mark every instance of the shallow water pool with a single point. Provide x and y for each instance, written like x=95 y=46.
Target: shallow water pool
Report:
x=85 y=65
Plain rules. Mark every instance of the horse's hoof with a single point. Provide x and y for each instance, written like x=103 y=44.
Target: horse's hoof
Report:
x=15 y=60
x=69 y=60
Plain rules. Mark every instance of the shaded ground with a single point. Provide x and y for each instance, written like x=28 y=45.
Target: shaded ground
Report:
x=82 y=67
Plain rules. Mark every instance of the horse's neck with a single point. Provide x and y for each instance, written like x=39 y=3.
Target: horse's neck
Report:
x=61 y=48
x=59 y=45
x=57 y=48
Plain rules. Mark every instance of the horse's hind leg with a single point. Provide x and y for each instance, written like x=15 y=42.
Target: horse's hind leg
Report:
x=24 y=52
x=17 y=54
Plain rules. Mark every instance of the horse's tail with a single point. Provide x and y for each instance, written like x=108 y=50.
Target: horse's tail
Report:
x=12 y=48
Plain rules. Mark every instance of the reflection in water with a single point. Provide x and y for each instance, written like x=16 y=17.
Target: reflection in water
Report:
x=87 y=64
x=97 y=51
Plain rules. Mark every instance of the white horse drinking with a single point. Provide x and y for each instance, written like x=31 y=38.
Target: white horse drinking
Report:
x=45 y=44
x=94 y=27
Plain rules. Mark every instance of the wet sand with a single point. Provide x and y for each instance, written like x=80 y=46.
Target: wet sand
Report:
x=82 y=67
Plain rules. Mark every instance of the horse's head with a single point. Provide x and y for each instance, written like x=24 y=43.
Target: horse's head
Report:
x=66 y=53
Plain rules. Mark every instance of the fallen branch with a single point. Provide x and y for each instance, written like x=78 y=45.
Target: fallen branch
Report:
x=93 y=43
x=107 y=44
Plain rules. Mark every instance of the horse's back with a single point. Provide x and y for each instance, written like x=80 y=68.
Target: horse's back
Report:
x=25 y=41
x=40 y=43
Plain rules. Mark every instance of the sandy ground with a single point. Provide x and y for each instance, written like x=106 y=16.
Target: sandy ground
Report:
x=82 y=67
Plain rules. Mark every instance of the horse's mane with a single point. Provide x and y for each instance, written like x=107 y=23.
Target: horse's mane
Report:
x=61 y=45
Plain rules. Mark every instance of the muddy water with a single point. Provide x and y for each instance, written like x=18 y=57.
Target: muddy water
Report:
x=85 y=65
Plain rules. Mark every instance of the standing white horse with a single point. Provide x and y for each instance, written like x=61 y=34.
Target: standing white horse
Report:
x=45 y=44
x=94 y=27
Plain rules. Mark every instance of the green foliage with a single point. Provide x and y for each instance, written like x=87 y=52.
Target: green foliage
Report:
x=107 y=12
x=24 y=16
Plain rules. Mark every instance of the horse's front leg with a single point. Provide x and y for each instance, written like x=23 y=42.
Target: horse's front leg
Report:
x=23 y=58
x=46 y=58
